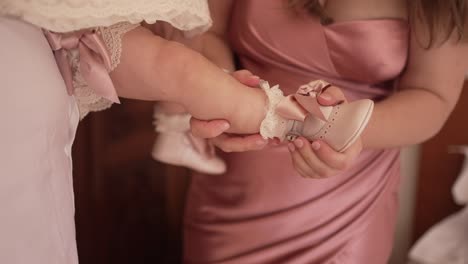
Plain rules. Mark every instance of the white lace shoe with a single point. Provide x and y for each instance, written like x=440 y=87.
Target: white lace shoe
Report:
x=300 y=114
x=175 y=145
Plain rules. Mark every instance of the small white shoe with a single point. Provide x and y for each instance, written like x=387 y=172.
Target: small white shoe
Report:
x=175 y=145
x=300 y=114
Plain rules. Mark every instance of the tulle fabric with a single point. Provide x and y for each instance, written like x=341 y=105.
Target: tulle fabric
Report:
x=112 y=19
x=69 y=15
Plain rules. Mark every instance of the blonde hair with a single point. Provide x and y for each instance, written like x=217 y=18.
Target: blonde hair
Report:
x=441 y=17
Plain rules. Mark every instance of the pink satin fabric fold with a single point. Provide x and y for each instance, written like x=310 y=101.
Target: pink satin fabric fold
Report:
x=261 y=211
x=95 y=62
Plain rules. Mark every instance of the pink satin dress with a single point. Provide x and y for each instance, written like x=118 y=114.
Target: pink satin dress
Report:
x=261 y=210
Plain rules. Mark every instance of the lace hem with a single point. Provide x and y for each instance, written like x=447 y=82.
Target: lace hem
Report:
x=70 y=15
x=87 y=99
x=273 y=126
x=112 y=37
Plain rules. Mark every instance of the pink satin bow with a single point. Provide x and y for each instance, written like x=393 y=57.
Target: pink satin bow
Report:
x=95 y=62
x=297 y=106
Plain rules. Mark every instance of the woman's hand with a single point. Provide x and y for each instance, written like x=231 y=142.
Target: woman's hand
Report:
x=318 y=159
x=215 y=129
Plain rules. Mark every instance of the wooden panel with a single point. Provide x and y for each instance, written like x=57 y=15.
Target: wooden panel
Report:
x=123 y=211
x=439 y=170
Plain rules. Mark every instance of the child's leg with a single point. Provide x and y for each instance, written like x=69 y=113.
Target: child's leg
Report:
x=152 y=68
x=170 y=108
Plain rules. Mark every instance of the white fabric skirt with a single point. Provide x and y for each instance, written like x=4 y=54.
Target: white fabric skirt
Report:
x=38 y=121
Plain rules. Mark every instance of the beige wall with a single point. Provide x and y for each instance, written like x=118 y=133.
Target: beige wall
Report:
x=409 y=176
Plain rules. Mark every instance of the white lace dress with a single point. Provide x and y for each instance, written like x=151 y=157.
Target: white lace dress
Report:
x=112 y=19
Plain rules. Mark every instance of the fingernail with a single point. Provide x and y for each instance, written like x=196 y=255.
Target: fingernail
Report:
x=326 y=96
x=291 y=147
x=298 y=143
x=316 y=145
x=255 y=77
x=225 y=126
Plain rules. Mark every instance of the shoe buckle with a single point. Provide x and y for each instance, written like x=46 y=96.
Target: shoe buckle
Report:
x=291 y=137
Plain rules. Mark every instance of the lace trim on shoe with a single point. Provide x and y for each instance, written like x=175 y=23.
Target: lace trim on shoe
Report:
x=273 y=126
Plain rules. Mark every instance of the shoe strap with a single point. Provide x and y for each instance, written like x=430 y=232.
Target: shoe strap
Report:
x=304 y=102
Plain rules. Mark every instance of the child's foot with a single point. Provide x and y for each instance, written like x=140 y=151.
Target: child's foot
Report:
x=301 y=115
x=176 y=146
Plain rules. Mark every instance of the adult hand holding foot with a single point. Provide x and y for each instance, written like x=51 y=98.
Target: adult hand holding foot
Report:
x=312 y=156
x=215 y=129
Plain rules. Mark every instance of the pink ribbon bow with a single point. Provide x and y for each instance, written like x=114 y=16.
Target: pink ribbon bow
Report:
x=95 y=62
x=297 y=106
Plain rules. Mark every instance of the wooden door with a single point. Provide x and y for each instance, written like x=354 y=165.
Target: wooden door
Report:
x=439 y=169
x=124 y=212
